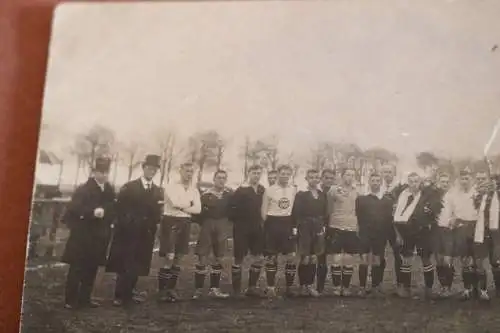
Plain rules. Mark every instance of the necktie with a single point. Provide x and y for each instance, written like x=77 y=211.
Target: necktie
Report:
x=411 y=197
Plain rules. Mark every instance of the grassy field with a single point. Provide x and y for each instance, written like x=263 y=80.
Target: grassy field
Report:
x=43 y=310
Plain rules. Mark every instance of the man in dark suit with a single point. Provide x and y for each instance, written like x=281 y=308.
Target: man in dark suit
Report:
x=89 y=217
x=138 y=214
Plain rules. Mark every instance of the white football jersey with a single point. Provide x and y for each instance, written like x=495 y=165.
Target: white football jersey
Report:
x=280 y=200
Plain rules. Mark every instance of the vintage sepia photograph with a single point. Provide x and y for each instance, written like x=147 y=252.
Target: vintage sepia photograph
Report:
x=268 y=166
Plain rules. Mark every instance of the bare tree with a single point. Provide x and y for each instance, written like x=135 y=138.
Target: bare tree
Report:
x=267 y=151
x=166 y=140
x=206 y=149
x=321 y=155
x=97 y=142
x=131 y=156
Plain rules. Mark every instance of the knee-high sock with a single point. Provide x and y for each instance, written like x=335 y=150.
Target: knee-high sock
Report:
x=450 y=274
x=199 y=276
x=363 y=275
x=377 y=275
x=172 y=278
x=271 y=270
x=253 y=275
x=290 y=269
x=481 y=279
x=302 y=273
x=468 y=277
x=496 y=276
x=236 y=278
x=405 y=275
x=442 y=275
x=311 y=274
x=321 y=272
x=429 y=275
x=347 y=272
x=215 y=275
x=336 y=275
x=163 y=276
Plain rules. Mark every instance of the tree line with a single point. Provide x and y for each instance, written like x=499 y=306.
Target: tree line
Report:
x=207 y=151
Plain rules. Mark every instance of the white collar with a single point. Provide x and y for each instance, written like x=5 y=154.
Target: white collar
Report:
x=379 y=194
x=146 y=183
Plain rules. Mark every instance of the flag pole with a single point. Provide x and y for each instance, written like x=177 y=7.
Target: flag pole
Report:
x=488 y=146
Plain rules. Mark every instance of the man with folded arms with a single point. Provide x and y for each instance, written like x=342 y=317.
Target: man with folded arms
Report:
x=182 y=200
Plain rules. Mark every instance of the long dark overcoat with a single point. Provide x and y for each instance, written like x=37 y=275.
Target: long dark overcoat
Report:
x=89 y=237
x=138 y=214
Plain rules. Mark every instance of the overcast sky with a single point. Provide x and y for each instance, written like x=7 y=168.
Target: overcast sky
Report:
x=360 y=71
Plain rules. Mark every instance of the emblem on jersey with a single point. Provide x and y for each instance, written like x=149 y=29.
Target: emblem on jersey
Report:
x=284 y=203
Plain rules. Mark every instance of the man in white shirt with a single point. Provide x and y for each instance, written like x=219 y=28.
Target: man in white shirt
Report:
x=279 y=233
x=182 y=200
x=464 y=216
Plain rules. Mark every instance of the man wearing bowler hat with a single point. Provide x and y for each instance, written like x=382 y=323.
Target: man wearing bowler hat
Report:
x=139 y=211
x=89 y=217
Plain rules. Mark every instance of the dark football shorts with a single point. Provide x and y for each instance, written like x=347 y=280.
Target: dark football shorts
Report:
x=311 y=235
x=247 y=238
x=415 y=238
x=174 y=235
x=463 y=239
x=442 y=241
x=373 y=241
x=213 y=237
x=343 y=241
x=278 y=238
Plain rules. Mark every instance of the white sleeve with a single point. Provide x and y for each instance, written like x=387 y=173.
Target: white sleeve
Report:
x=196 y=207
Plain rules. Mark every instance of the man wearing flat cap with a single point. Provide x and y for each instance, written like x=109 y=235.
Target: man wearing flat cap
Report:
x=139 y=211
x=89 y=217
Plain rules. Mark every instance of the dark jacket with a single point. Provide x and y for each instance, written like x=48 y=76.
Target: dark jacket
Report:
x=374 y=214
x=245 y=206
x=213 y=206
x=139 y=213
x=427 y=209
x=89 y=237
x=306 y=206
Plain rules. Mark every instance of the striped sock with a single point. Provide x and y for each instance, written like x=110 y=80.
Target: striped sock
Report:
x=215 y=275
x=271 y=270
x=346 y=276
x=336 y=275
x=163 y=275
x=253 y=275
x=405 y=275
x=199 y=276
x=429 y=276
x=172 y=277
x=236 y=278
x=290 y=270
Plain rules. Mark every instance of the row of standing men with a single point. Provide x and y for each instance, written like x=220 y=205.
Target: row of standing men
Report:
x=326 y=225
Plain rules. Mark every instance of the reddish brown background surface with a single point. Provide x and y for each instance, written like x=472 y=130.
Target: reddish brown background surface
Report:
x=24 y=35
